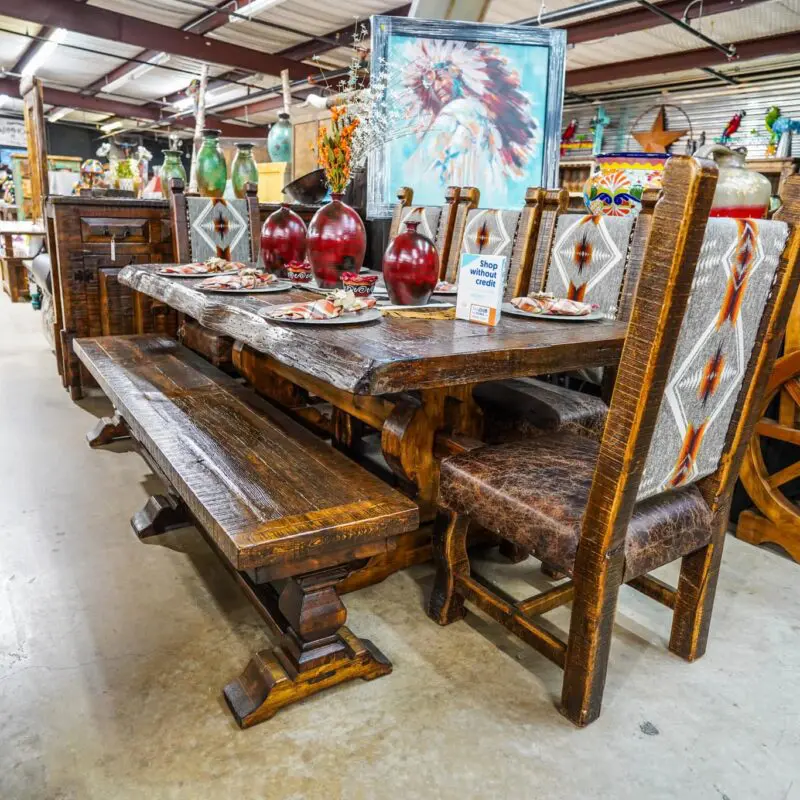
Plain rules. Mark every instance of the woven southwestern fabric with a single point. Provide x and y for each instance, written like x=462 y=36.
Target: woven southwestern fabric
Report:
x=219 y=228
x=734 y=277
x=490 y=231
x=427 y=217
x=588 y=259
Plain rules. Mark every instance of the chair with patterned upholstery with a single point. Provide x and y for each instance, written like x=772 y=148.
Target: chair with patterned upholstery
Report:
x=709 y=313
x=596 y=259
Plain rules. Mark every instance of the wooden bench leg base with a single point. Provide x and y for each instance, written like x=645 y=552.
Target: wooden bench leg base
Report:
x=757 y=529
x=158 y=515
x=267 y=685
x=106 y=430
x=513 y=552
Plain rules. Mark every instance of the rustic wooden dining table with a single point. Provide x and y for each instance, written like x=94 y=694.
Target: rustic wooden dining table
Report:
x=409 y=379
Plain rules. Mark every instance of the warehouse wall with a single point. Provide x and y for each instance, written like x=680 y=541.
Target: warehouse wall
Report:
x=709 y=110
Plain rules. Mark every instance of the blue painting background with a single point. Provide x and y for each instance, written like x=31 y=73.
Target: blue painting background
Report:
x=531 y=64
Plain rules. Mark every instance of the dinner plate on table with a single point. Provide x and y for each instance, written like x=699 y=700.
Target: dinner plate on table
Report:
x=593 y=316
x=194 y=274
x=448 y=292
x=368 y=315
x=283 y=286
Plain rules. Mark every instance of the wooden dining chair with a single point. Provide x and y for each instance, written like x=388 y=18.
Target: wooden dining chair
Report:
x=709 y=313
x=435 y=222
x=207 y=227
x=596 y=259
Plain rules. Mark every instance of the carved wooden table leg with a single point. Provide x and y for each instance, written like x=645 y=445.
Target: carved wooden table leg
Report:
x=315 y=652
x=409 y=434
x=158 y=515
x=106 y=430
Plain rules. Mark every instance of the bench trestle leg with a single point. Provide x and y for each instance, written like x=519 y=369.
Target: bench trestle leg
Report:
x=316 y=651
x=106 y=430
x=158 y=515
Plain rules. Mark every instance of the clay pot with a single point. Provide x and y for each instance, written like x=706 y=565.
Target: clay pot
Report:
x=410 y=267
x=283 y=240
x=337 y=242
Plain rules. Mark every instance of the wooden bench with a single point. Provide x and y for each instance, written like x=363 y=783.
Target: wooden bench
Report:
x=274 y=501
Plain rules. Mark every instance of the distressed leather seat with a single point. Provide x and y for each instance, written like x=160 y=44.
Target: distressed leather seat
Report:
x=534 y=492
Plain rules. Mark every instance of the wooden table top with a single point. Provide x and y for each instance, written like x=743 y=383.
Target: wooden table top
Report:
x=390 y=355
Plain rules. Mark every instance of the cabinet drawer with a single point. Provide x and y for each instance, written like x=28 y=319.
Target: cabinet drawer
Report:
x=104 y=229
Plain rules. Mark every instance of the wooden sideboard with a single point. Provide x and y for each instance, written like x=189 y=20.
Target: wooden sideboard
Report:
x=88 y=301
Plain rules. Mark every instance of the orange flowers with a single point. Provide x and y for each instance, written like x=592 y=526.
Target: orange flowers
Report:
x=333 y=149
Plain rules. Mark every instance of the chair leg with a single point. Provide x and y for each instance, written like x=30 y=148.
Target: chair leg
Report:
x=589 y=644
x=694 y=602
x=450 y=555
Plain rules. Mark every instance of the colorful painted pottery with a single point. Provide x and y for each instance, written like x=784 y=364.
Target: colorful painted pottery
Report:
x=410 y=267
x=740 y=192
x=279 y=139
x=337 y=242
x=299 y=272
x=359 y=285
x=212 y=171
x=618 y=181
x=244 y=169
x=283 y=240
x=172 y=168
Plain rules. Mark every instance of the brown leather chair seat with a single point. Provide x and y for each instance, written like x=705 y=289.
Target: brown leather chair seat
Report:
x=534 y=492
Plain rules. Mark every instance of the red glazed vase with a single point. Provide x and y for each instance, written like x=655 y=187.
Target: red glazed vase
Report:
x=410 y=268
x=283 y=240
x=337 y=242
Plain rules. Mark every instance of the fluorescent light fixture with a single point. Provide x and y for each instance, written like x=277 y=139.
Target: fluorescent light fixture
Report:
x=111 y=126
x=59 y=113
x=44 y=52
x=4 y=98
x=212 y=98
x=157 y=60
x=251 y=9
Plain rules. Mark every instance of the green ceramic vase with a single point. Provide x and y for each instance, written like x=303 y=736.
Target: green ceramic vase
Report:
x=243 y=169
x=212 y=171
x=171 y=168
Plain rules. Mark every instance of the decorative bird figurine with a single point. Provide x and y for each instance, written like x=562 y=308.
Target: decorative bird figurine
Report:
x=732 y=127
x=569 y=131
x=780 y=129
x=598 y=123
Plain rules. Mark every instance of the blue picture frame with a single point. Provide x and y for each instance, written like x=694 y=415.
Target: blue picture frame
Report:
x=461 y=83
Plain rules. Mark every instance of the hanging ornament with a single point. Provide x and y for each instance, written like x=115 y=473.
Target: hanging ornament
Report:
x=733 y=125
x=658 y=139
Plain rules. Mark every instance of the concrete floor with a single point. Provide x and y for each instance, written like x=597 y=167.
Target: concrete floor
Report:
x=113 y=654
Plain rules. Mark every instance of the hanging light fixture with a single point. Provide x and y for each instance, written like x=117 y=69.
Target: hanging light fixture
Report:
x=157 y=60
x=251 y=9
x=59 y=113
x=44 y=52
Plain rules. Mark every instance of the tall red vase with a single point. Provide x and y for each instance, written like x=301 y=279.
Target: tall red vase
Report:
x=283 y=240
x=410 y=267
x=337 y=242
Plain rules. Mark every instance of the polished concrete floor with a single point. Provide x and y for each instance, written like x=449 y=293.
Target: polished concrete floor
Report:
x=113 y=653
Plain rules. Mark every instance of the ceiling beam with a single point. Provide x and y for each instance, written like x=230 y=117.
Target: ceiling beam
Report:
x=116 y=27
x=687 y=59
x=640 y=19
x=61 y=97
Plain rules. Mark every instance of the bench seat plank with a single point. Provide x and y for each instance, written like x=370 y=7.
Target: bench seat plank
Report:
x=265 y=489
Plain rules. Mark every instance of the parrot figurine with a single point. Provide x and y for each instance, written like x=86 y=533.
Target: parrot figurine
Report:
x=569 y=131
x=779 y=127
x=599 y=123
x=732 y=127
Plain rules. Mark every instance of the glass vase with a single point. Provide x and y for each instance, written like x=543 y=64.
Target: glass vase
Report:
x=212 y=171
x=337 y=242
x=279 y=139
x=172 y=168
x=410 y=267
x=244 y=169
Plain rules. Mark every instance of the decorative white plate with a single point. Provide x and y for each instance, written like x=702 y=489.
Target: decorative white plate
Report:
x=283 y=286
x=594 y=316
x=194 y=274
x=368 y=315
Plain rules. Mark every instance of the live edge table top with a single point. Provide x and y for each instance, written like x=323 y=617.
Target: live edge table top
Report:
x=390 y=355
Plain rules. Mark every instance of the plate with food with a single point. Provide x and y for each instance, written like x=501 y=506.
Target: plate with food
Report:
x=338 y=308
x=245 y=281
x=541 y=305
x=201 y=269
x=445 y=287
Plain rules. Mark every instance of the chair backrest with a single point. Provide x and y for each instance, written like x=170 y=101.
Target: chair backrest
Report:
x=206 y=227
x=730 y=285
x=435 y=222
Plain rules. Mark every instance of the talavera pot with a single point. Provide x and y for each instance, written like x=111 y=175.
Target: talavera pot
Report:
x=410 y=267
x=740 y=192
x=618 y=181
x=337 y=242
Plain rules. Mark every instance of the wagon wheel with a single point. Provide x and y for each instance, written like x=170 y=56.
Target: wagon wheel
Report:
x=766 y=490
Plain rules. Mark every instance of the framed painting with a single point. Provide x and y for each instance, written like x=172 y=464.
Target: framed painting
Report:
x=470 y=104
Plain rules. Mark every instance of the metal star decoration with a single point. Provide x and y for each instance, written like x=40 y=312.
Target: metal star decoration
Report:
x=657 y=140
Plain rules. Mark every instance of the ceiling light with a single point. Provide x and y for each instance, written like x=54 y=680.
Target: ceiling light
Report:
x=111 y=126
x=59 y=113
x=212 y=98
x=157 y=60
x=4 y=98
x=251 y=9
x=44 y=52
